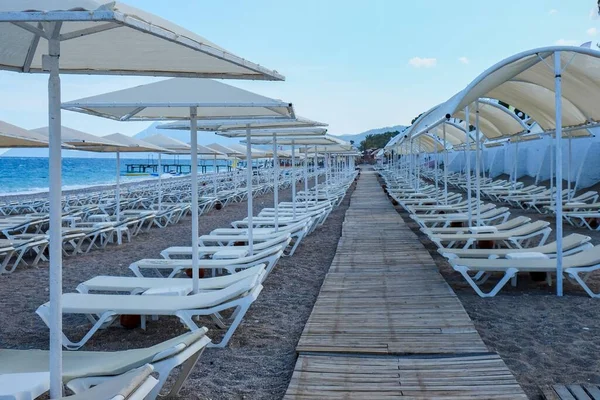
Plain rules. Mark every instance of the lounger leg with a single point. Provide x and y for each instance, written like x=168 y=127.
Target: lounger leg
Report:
x=44 y=310
x=510 y=272
x=574 y=273
x=186 y=370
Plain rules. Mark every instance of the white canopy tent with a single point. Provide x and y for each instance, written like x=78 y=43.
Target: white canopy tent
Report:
x=98 y=37
x=273 y=136
x=240 y=124
x=125 y=144
x=304 y=140
x=172 y=99
x=13 y=136
x=558 y=87
x=78 y=138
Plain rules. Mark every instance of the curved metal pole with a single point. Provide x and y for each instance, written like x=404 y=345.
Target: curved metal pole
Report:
x=195 y=216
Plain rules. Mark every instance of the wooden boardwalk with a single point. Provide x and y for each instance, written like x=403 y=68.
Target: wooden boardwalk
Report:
x=386 y=323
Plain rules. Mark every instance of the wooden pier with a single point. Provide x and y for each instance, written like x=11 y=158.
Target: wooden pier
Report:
x=152 y=168
x=386 y=324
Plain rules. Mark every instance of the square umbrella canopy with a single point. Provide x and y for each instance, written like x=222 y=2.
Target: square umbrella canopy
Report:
x=227 y=125
x=125 y=144
x=172 y=99
x=79 y=139
x=276 y=132
x=13 y=136
x=281 y=136
x=190 y=99
x=102 y=37
x=99 y=37
x=229 y=152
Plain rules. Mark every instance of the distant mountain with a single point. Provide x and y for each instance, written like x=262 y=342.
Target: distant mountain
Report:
x=359 y=137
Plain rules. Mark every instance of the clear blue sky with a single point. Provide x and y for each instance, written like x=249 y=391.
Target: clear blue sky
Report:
x=356 y=65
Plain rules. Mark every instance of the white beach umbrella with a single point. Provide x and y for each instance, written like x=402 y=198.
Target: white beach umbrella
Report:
x=125 y=144
x=78 y=139
x=98 y=37
x=240 y=124
x=13 y=136
x=172 y=99
x=286 y=139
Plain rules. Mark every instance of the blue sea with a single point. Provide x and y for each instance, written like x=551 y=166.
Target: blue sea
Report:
x=24 y=175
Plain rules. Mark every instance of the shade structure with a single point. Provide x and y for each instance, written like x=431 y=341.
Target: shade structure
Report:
x=272 y=136
x=78 y=138
x=13 y=136
x=277 y=132
x=557 y=87
x=302 y=140
x=119 y=37
x=255 y=123
x=97 y=37
x=255 y=153
x=173 y=145
x=314 y=138
x=229 y=152
x=172 y=98
x=125 y=144
x=526 y=81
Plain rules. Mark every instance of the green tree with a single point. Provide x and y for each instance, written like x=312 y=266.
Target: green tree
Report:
x=376 y=141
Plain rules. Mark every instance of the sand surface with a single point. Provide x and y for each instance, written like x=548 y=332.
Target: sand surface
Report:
x=259 y=360
x=544 y=339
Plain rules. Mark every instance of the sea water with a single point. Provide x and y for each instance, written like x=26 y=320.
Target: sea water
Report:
x=24 y=175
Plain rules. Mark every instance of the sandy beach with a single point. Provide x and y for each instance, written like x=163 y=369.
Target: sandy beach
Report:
x=258 y=362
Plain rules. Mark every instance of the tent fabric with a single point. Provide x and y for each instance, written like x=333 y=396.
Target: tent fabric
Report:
x=120 y=36
x=127 y=144
x=276 y=132
x=317 y=140
x=526 y=81
x=256 y=153
x=78 y=139
x=172 y=99
x=13 y=136
x=173 y=145
x=262 y=123
x=226 y=150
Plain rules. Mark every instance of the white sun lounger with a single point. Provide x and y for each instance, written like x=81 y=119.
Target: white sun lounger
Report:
x=515 y=238
x=510 y=224
x=103 y=309
x=571 y=244
x=178 y=252
x=158 y=267
x=133 y=385
x=83 y=369
x=137 y=285
x=584 y=262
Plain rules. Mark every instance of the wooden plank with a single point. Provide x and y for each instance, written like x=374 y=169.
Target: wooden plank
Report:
x=383 y=299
